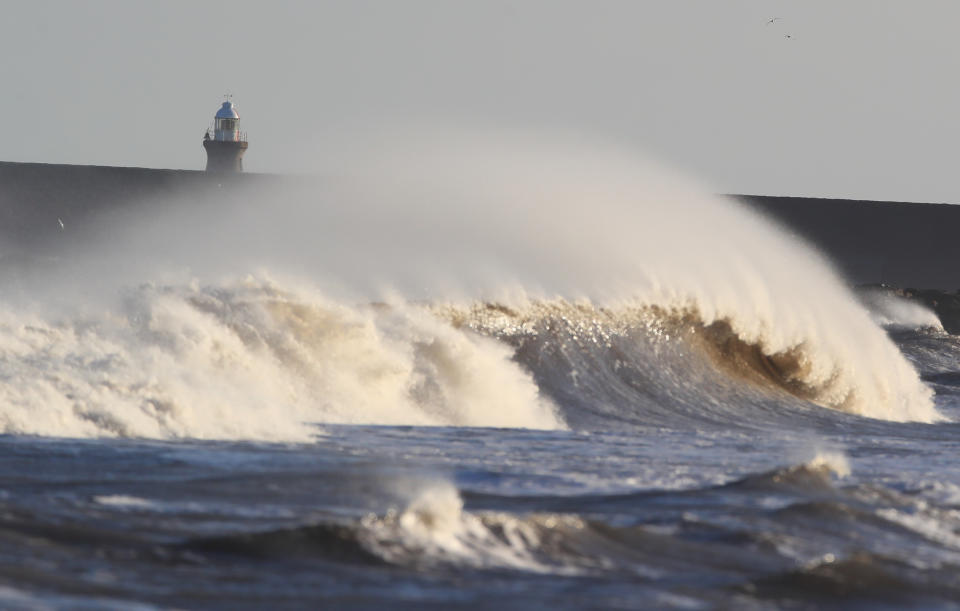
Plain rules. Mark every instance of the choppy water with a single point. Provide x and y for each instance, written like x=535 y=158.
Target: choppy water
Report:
x=393 y=516
x=656 y=487
x=587 y=385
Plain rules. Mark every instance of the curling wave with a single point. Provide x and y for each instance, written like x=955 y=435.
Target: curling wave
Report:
x=655 y=365
x=538 y=285
x=251 y=359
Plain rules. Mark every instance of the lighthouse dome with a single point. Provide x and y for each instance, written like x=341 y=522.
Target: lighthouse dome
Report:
x=227 y=111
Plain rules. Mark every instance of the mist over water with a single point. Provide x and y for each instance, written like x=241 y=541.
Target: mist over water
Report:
x=156 y=328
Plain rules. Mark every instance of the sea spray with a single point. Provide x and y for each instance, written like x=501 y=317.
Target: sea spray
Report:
x=895 y=312
x=434 y=529
x=250 y=361
x=511 y=219
x=658 y=365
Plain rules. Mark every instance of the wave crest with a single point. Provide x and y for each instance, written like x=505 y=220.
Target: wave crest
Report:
x=252 y=360
x=249 y=360
x=674 y=359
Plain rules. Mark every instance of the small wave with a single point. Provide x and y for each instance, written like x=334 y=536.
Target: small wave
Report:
x=892 y=310
x=936 y=526
x=431 y=531
x=434 y=529
x=834 y=462
x=332 y=541
x=861 y=579
x=814 y=475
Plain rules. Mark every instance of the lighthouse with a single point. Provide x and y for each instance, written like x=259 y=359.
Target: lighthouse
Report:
x=226 y=144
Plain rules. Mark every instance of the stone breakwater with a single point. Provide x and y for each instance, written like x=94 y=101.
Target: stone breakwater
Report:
x=871 y=242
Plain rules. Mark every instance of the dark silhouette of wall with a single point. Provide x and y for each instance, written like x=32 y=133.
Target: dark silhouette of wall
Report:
x=901 y=244
x=896 y=243
x=35 y=197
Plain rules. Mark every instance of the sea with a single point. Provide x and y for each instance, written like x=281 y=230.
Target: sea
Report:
x=510 y=373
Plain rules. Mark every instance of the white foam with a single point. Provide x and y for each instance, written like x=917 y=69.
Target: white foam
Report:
x=248 y=360
x=834 y=462
x=434 y=529
x=123 y=501
x=459 y=216
x=941 y=492
x=928 y=526
x=570 y=218
x=890 y=310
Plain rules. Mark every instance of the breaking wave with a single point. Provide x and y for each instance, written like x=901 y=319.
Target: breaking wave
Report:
x=436 y=526
x=893 y=311
x=533 y=288
x=250 y=359
x=655 y=365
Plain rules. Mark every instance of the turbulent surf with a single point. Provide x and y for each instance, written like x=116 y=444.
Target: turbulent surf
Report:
x=498 y=371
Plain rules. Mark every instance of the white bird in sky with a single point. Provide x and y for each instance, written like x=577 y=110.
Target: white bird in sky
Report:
x=772 y=20
x=61 y=223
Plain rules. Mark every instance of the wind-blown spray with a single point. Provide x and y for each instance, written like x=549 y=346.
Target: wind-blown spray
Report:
x=563 y=241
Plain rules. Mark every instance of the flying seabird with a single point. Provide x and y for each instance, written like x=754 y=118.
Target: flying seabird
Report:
x=772 y=20
x=61 y=223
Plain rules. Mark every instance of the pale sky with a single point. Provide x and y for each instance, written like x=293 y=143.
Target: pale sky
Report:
x=860 y=101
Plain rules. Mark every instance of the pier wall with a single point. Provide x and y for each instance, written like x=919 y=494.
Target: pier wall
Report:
x=897 y=243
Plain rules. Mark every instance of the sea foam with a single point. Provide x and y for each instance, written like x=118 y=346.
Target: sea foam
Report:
x=510 y=219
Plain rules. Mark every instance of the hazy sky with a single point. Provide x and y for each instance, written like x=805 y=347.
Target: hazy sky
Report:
x=860 y=101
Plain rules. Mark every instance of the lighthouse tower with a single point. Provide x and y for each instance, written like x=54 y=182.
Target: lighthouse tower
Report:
x=226 y=144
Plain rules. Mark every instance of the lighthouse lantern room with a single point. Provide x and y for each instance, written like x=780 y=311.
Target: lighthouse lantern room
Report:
x=227 y=144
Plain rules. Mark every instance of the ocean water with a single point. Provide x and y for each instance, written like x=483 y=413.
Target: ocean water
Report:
x=495 y=375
